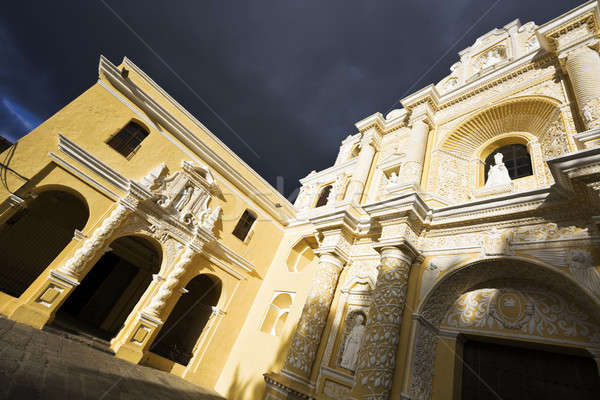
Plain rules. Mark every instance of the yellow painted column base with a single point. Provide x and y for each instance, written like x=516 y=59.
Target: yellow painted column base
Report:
x=37 y=306
x=133 y=341
x=31 y=315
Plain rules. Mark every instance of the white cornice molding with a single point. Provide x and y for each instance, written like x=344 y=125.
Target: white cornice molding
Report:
x=143 y=100
x=331 y=172
x=564 y=20
x=84 y=176
x=68 y=147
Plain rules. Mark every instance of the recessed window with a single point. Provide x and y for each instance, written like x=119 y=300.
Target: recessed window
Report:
x=128 y=139
x=323 y=196
x=516 y=160
x=244 y=224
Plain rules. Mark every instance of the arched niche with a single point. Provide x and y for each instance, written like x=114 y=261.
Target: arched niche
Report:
x=301 y=254
x=109 y=292
x=522 y=114
x=277 y=313
x=46 y=224
x=507 y=272
x=177 y=339
x=534 y=121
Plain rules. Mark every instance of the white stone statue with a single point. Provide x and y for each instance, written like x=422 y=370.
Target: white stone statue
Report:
x=183 y=198
x=498 y=174
x=352 y=345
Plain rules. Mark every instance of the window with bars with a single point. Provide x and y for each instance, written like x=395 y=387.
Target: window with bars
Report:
x=516 y=160
x=243 y=226
x=323 y=196
x=128 y=139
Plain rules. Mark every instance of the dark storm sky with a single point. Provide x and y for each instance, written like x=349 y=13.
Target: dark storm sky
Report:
x=289 y=77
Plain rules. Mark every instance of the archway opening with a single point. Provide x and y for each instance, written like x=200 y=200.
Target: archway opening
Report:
x=107 y=295
x=47 y=224
x=178 y=337
x=513 y=298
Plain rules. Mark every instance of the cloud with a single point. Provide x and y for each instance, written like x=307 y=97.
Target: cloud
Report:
x=16 y=120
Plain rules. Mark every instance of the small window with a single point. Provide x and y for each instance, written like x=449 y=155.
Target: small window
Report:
x=323 y=196
x=354 y=152
x=516 y=159
x=128 y=139
x=244 y=224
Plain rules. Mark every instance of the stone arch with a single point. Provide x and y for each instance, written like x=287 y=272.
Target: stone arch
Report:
x=109 y=292
x=301 y=254
x=532 y=114
x=277 y=313
x=179 y=336
x=536 y=121
x=476 y=275
x=48 y=222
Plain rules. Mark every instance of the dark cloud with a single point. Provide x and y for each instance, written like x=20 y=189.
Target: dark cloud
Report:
x=290 y=77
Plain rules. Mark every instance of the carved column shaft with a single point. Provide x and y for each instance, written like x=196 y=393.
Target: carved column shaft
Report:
x=417 y=144
x=377 y=356
x=583 y=67
x=158 y=302
x=361 y=171
x=97 y=241
x=306 y=339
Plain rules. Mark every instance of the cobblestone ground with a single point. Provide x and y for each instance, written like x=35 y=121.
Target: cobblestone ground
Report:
x=36 y=364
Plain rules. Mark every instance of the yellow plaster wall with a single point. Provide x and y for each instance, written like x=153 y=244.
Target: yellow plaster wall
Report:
x=256 y=352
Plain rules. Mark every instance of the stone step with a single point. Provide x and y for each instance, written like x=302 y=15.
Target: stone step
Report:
x=75 y=335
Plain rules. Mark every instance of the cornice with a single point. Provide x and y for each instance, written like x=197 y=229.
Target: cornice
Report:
x=350 y=218
x=550 y=31
x=143 y=100
x=334 y=170
x=575 y=165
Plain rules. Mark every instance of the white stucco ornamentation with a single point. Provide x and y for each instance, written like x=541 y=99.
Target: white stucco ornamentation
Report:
x=527 y=310
x=185 y=195
x=92 y=246
x=172 y=281
x=377 y=356
x=306 y=339
x=581 y=265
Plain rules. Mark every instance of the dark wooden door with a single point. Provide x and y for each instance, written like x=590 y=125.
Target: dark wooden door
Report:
x=493 y=371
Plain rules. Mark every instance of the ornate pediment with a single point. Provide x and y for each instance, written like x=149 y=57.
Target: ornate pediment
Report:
x=185 y=195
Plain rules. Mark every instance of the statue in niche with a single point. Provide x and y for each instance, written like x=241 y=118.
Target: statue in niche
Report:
x=183 y=198
x=352 y=343
x=498 y=174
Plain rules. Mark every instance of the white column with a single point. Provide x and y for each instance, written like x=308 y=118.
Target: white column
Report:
x=583 y=67
x=361 y=170
x=97 y=241
x=417 y=144
x=159 y=301
x=307 y=338
x=377 y=355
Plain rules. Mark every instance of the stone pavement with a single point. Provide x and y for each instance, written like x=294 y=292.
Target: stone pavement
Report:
x=38 y=364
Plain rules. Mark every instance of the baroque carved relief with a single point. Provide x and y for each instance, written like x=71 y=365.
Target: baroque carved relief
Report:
x=527 y=310
x=185 y=195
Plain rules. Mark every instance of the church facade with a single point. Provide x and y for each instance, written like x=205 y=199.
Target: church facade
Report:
x=451 y=251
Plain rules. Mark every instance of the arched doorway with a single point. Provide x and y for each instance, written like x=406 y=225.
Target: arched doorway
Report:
x=495 y=369
x=537 y=307
x=106 y=296
x=182 y=329
x=47 y=225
